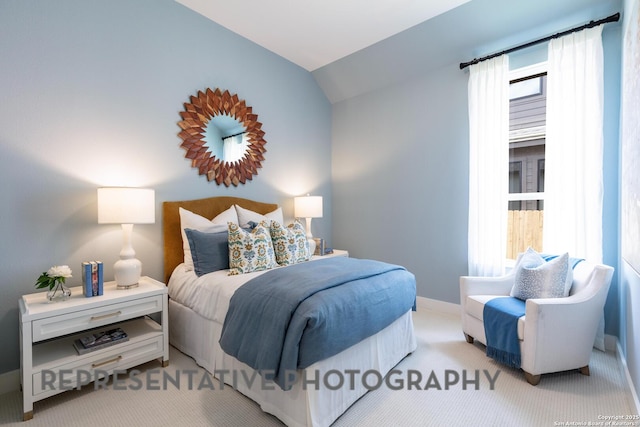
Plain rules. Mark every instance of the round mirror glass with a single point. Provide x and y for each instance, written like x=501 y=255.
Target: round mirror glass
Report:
x=226 y=138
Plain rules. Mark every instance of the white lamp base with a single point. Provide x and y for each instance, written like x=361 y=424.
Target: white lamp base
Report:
x=312 y=243
x=128 y=268
x=127 y=272
x=312 y=246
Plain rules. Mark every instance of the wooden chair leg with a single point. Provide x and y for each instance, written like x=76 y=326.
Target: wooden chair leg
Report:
x=585 y=370
x=469 y=338
x=532 y=379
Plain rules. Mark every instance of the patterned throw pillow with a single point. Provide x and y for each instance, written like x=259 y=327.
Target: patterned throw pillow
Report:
x=535 y=278
x=250 y=250
x=290 y=243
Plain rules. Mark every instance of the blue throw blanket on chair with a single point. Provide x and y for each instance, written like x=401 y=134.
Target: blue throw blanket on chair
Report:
x=500 y=318
x=572 y=261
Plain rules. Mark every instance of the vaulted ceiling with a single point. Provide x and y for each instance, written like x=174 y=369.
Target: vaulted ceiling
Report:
x=356 y=46
x=314 y=33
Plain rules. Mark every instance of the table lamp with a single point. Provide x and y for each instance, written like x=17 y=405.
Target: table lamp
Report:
x=308 y=207
x=126 y=206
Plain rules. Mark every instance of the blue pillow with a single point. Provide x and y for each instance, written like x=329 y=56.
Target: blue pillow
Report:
x=210 y=251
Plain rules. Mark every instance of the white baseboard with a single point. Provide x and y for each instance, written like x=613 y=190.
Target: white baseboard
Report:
x=440 y=306
x=611 y=343
x=10 y=381
x=627 y=375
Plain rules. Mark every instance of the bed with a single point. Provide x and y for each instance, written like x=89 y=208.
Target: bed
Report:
x=197 y=310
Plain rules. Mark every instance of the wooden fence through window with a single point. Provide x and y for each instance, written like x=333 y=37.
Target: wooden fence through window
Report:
x=524 y=229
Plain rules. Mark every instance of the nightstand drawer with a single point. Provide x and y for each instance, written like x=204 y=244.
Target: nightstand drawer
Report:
x=100 y=364
x=53 y=327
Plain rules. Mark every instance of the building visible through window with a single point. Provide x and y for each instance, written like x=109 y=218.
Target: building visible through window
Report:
x=527 y=131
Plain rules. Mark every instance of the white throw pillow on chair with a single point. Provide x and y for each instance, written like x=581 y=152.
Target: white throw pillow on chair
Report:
x=537 y=278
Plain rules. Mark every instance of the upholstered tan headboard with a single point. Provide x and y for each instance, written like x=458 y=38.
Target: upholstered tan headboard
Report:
x=208 y=208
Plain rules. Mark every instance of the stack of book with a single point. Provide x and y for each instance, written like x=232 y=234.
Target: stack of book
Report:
x=92 y=278
x=99 y=340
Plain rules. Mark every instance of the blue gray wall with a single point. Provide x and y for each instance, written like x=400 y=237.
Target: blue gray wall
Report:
x=400 y=178
x=91 y=94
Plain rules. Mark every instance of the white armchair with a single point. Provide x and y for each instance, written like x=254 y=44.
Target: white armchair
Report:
x=556 y=334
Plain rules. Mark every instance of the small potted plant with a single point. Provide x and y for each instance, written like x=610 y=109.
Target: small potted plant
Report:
x=54 y=279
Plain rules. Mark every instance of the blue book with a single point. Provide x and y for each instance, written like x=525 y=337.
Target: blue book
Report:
x=100 y=286
x=92 y=278
x=87 y=288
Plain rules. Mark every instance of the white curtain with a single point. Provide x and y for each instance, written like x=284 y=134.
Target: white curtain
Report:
x=233 y=147
x=488 y=165
x=574 y=145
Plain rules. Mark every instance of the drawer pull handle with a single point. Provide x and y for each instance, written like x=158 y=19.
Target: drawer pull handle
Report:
x=106 y=362
x=104 y=316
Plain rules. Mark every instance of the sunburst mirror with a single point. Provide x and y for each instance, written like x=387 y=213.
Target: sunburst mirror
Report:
x=222 y=137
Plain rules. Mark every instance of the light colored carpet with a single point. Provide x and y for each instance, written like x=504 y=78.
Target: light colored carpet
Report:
x=559 y=399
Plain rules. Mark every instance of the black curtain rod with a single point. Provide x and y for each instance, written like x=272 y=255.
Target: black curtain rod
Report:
x=613 y=18
x=235 y=134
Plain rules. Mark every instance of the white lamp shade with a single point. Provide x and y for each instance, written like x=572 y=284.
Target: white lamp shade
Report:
x=122 y=205
x=308 y=206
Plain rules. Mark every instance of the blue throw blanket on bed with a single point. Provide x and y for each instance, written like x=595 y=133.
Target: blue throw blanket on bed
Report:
x=289 y=318
x=501 y=329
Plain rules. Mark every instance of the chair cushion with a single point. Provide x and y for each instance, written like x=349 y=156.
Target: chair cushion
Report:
x=475 y=308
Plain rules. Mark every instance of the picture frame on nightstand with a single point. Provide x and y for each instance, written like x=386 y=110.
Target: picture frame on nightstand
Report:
x=320 y=249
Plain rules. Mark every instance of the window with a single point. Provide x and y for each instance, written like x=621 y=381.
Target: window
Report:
x=541 y=182
x=527 y=131
x=515 y=184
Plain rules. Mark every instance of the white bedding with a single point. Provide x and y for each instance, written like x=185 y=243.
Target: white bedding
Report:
x=197 y=309
x=208 y=295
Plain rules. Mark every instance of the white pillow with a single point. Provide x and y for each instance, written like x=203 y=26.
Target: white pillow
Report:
x=551 y=279
x=529 y=258
x=194 y=221
x=245 y=216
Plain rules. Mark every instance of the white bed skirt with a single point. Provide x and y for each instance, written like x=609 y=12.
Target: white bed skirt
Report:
x=301 y=406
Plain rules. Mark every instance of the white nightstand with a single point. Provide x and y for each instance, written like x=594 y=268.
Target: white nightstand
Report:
x=49 y=362
x=336 y=252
